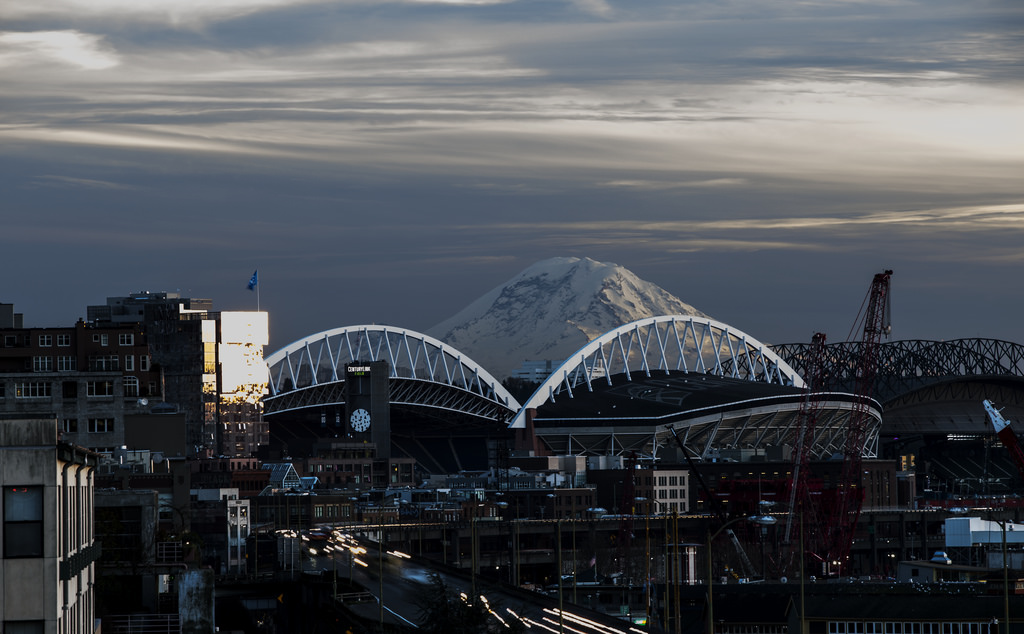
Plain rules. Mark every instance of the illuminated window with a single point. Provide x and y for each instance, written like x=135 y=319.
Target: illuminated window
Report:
x=23 y=521
x=32 y=389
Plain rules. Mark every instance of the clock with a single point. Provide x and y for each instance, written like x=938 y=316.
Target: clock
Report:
x=360 y=420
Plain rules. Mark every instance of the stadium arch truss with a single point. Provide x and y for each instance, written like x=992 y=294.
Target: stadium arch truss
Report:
x=657 y=363
x=424 y=373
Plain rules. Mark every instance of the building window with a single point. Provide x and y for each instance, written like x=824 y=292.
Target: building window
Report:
x=131 y=386
x=23 y=521
x=105 y=363
x=42 y=364
x=70 y=425
x=144 y=363
x=10 y=341
x=45 y=341
x=101 y=425
x=99 y=388
x=32 y=389
x=104 y=340
x=126 y=339
x=67 y=364
x=64 y=341
x=129 y=363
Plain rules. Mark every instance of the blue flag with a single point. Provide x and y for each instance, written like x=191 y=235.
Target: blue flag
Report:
x=253 y=281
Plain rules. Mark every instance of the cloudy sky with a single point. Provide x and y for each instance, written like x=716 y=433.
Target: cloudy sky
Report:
x=389 y=162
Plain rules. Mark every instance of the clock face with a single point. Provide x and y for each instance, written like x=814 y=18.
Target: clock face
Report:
x=360 y=420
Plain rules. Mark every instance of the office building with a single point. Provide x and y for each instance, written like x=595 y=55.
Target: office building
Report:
x=47 y=571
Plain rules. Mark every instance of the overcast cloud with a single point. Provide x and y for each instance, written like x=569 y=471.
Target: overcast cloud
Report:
x=389 y=162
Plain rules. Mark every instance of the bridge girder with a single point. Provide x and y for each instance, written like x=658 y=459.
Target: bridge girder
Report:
x=911 y=365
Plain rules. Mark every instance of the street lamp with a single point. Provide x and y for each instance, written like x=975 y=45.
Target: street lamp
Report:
x=1006 y=576
x=764 y=520
x=647 y=558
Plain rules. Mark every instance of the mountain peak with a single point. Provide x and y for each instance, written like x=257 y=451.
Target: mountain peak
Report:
x=550 y=310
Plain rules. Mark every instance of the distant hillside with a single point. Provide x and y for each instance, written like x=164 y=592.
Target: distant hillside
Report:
x=552 y=309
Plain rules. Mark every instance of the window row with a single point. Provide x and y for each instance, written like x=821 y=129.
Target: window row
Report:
x=44 y=389
x=879 y=627
x=64 y=339
x=99 y=363
x=94 y=425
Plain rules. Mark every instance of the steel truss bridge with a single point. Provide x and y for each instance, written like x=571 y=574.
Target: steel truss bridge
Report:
x=931 y=387
x=425 y=374
x=908 y=366
x=722 y=391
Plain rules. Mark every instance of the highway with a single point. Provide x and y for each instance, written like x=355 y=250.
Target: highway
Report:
x=406 y=582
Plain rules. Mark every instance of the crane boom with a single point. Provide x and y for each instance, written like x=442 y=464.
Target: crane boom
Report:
x=1006 y=435
x=849 y=493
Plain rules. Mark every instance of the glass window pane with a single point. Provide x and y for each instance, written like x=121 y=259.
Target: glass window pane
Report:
x=23 y=504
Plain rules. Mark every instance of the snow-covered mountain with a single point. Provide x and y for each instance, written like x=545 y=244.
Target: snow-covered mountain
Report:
x=552 y=309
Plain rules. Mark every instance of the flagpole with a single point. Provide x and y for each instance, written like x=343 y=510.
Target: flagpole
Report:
x=254 y=285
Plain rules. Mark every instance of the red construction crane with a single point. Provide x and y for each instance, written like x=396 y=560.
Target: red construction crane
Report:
x=807 y=419
x=1006 y=436
x=849 y=494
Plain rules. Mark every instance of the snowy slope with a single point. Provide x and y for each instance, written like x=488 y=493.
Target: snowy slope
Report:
x=552 y=309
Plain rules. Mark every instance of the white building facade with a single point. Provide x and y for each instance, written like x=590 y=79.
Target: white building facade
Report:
x=47 y=569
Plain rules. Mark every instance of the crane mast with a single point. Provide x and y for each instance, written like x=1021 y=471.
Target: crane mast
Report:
x=849 y=494
x=810 y=407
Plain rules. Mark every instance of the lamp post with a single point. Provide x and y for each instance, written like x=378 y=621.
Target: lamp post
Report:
x=647 y=557
x=1006 y=577
x=558 y=544
x=764 y=520
x=380 y=571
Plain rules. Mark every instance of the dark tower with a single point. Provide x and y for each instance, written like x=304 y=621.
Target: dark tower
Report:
x=367 y=404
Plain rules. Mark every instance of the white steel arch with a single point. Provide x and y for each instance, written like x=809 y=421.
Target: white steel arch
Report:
x=321 y=358
x=664 y=344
